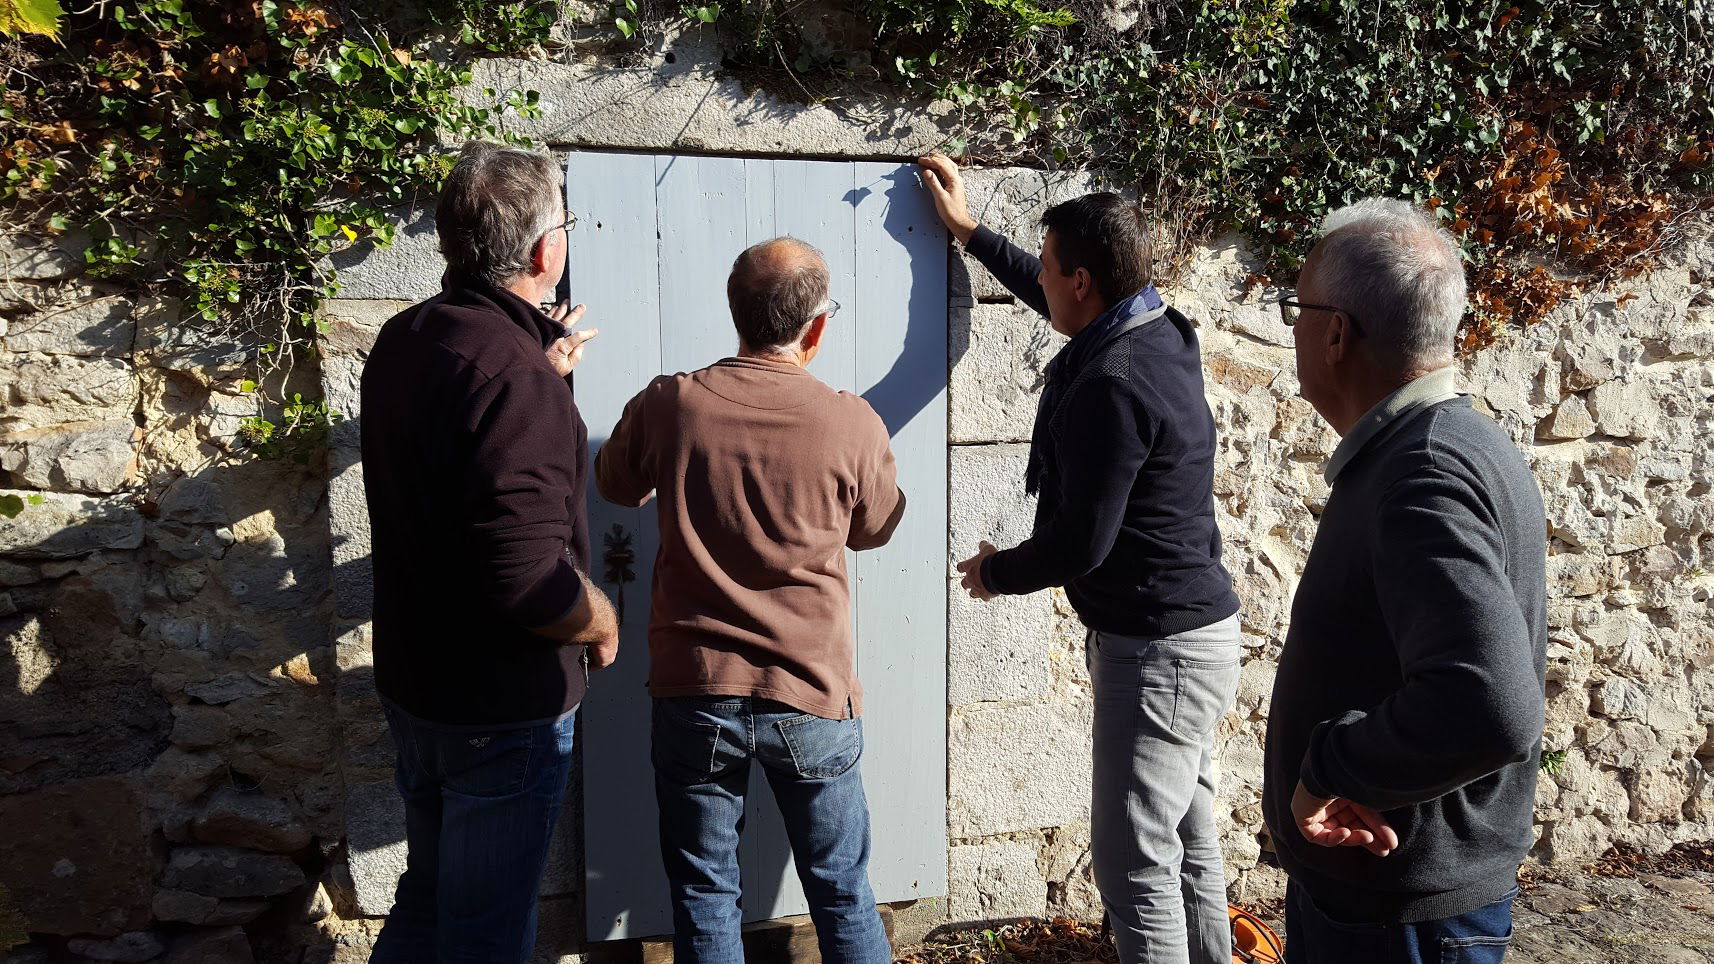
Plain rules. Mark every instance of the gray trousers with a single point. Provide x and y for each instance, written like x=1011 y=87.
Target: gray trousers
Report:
x=1154 y=846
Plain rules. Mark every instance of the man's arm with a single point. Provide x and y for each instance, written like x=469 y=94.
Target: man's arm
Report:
x=517 y=485
x=591 y=622
x=1102 y=452
x=1016 y=268
x=620 y=473
x=880 y=501
x=1471 y=701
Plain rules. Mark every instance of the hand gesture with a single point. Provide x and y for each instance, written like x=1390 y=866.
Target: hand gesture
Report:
x=940 y=175
x=1341 y=823
x=972 y=569
x=564 y=353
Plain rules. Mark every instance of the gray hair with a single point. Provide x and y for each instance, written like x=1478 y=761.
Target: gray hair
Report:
x=498 y=201
x=1400 y=275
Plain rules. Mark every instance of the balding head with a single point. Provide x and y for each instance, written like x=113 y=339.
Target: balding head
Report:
x=1398 y=273
x=775 y=290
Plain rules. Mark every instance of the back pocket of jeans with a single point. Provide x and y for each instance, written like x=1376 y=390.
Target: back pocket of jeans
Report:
x=685 y=743
x=822 y=749
x=1202 y=693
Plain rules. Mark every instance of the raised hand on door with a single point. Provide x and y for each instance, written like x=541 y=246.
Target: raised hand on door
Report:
x=940 y=175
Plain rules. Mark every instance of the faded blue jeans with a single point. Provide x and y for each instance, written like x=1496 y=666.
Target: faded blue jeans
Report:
x=1153 y=841
x=480 y=807
x=1479 y=937
x=702 y=752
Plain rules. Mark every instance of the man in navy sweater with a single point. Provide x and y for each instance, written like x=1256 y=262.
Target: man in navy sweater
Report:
x=1404 y=736
x=1122 y=463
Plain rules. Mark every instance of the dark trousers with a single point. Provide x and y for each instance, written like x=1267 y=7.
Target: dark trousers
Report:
x=1479 y=937
x=480 y=808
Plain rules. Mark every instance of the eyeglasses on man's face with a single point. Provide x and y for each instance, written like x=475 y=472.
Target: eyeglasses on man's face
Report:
x=1291 y=310
x=829 y=308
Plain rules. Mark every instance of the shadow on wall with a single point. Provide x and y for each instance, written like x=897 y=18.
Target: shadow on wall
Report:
x=166 y=733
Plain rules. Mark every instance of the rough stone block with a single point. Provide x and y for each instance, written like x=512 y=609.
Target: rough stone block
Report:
x=1000 y=353
x=995 y=880
x=1570 y=420
x=230 y=872
x=410 y=270
x=686 y=105
x=1066 y=863
x=168 y=340
x=250 y=819
x=999 y=650
x=988 y=500
x=353 y=323
x=184 y=907
x=1012 y=768
x=35 y=258
x=1624 y=409
x=375 y=838
x=98 y=458
x=1221 y=287
x=54 y=389
x=77 y=858
x=69 y=526
x=133 y=947
x=90 y=321
x=348 y=517
x=227 y=945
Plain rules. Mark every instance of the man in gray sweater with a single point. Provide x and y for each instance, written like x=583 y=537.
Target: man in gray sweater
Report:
x=1405 y=731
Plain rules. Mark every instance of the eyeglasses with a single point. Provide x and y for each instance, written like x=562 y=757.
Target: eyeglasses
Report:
x=1291 y=309
x=830 y=308
x=570 y=221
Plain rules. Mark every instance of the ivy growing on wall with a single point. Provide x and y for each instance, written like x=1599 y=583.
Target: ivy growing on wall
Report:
x=218 y=152
x=1567 y=131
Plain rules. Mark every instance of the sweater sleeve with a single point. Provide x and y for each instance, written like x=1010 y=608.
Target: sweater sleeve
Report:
x=1105 y=445
x=1470 y=700
x=621 y=474
x=1016 y=268
x=518 y=485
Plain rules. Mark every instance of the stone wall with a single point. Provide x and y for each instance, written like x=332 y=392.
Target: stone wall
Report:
x=192 y=763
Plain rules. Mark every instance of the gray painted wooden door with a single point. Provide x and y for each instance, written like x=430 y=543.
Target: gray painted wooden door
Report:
x=655 y=238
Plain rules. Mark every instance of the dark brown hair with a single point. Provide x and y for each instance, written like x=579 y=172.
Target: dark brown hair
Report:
x=1106 y=235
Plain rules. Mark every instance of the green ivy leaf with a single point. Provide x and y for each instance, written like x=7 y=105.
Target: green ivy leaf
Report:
x=11 y=506
x=20 y=17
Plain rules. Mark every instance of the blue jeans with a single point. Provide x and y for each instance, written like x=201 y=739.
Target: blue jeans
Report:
x=480 y=807
x=1479 y=937
x=1154 y=845
x=702 y=752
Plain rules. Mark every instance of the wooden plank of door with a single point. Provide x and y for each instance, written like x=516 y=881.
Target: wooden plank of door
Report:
x=900 y=275
x=613 y=269
x=703 y=223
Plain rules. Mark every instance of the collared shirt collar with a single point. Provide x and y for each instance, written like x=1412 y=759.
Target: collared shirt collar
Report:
x=1431 y=389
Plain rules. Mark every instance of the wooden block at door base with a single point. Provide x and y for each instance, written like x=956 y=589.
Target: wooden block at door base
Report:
x=789 y=940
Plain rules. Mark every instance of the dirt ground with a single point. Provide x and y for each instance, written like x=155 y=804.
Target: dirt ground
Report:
x=1625 y=909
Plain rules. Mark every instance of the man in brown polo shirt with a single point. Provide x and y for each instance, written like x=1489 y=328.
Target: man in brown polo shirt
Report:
x=764 y=477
